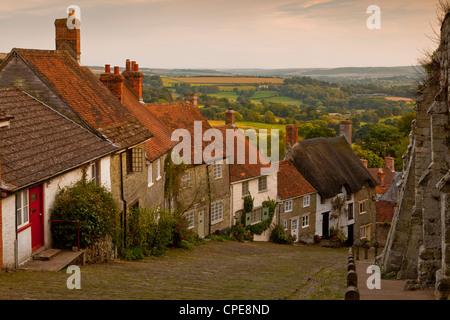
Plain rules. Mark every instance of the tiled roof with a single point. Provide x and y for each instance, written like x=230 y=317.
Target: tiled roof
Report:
x=385 y=211
x=83 y=92
x=40 y=143
x=246 y=170
x=180 y=115
x=161 y=142
x=389 y=176
x=291 y=183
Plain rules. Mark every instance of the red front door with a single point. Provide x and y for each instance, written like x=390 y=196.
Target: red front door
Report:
x=36 y=217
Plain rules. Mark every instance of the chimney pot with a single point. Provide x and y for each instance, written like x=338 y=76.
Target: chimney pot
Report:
x=107 y=68
x=127 y=65
x=230 y=116
x=116 y=70
x=191 y=98
x=133 y=65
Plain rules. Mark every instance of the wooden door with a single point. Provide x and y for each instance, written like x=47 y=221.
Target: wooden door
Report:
x=36 y=217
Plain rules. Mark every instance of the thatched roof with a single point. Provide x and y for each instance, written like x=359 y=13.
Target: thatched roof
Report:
x=330 y=164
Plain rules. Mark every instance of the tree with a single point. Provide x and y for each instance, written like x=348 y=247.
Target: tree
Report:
x=404 y=123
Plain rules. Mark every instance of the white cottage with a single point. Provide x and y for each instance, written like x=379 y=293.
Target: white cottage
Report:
x=41 y=151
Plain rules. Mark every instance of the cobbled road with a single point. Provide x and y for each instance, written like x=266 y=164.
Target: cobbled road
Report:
x=214 y=271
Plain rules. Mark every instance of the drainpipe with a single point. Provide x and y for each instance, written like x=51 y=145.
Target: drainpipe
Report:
x=124 y=212
x=209 y=197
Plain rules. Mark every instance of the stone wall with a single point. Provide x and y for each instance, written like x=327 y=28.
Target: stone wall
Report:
x=418 y=244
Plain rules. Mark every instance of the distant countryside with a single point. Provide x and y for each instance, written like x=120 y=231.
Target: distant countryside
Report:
x=377 y=100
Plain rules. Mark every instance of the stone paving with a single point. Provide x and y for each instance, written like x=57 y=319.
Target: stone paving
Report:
x=214 y=271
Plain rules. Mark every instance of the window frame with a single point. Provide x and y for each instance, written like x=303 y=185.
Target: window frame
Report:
x=190 y=217
x=22 y=210
x=216 y=216
x=363 y=205
x=135 y=162
x=367 y=230
x=246 y=183
x=262 y=180
x=158 y=170
x=150 y=174
x=306 y=199
x=288 y=206
x=217 y=171
x=305 y=217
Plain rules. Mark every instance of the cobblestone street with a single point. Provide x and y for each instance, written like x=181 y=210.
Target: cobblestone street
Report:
x=214 y=271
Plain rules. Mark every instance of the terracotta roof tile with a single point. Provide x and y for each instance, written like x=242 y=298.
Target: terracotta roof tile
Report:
x=180 y=115
x=83 y=92
x=385 y=211
x=40 y=142
x=161 y=141
x=291 y=183
x=248 y=169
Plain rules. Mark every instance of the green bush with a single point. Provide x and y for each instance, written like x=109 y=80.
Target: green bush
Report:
x=240 y=233
x=278 y=235
x=93 y=206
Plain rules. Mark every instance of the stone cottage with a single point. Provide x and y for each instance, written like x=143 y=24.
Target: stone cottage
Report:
x=41 y=152
x=345 y=189
x=297 y=203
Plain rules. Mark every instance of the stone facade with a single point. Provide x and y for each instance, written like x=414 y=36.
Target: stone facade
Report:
x=202 y=194
x=418 y=243
x=305 y=216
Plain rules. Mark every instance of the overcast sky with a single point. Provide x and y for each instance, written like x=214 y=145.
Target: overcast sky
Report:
x=229 y=33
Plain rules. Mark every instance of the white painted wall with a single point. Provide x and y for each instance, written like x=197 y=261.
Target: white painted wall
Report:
x=327 y=206
x=8 y=230
x=50 y=189
x=259 y=197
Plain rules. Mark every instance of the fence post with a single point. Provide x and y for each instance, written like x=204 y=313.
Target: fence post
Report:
x=352 y=278
x=352 y=293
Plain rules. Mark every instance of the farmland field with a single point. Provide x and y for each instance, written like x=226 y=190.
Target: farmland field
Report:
x=225 y=80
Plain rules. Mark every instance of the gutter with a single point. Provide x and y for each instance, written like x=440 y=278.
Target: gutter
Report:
x=122 y=197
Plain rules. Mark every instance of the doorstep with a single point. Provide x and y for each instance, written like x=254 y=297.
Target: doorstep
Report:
x=55 y=261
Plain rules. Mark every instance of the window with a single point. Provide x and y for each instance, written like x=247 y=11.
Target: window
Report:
x=22 y=208
x=94 y=173
x=305 y=221
x=134 y=160
x=190 y=219
x=288 y=206
x=245 y=191
x=150 y=174
x=262 y=183
x=306 y=201
x=217 y=211
x=186 y=179
x=158 y=169
x=364 y=232
x=362 y=207
x=256 y=215
x=217 y=170
x=350 y=215
x=285 y=225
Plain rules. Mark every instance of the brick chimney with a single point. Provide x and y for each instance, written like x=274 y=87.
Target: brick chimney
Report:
x=345 y=128
x=68 y=39
x=365 y=162
x=291 y=135
x=381 y=174
x=229 y=117
x=389 y=162
x=133 y=78
x=113 y=81
x=191 y=98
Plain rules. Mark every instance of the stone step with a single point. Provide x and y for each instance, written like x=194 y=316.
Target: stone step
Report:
x=47 y=254
x=57 y=263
